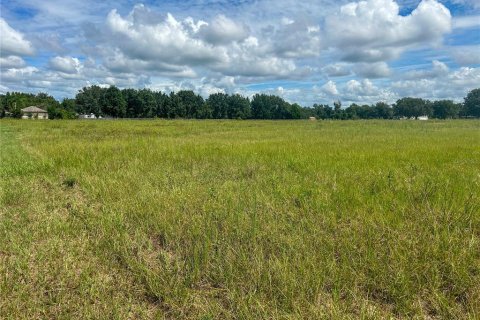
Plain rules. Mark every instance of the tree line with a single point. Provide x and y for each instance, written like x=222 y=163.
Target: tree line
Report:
x=145 y=103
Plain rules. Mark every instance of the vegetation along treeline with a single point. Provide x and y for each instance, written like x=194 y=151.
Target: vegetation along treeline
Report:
x=145 y=103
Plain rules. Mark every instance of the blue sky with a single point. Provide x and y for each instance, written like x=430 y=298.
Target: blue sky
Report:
x=363 y=52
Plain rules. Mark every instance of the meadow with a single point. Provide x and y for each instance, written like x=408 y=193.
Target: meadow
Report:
x=182 y=219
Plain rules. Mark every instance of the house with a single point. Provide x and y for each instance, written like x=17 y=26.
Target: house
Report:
x=423 y=118
x=34 y=112
x=312 y=118
x=87 y=116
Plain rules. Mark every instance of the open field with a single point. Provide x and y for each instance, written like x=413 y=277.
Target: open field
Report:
x=239 y=219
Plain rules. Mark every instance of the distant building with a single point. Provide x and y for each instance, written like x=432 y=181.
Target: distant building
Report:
x=423 y=118
x=34 y=112
x=312 y=118
x=87 y=116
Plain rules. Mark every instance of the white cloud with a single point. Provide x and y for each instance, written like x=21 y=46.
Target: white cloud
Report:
x=13 y=42
x=337 y=70
x=169 y=41
x=223 y=30
x=451 y=85
x=11 y=62
x=296 y=39
x=330 y=88
x=170 y=47
x=18 y=74
x=365 y=91
x=372 y=70
x=438 y=69
x=466 y=22
x=65 y=64
x=373 y=30
x=466 y=55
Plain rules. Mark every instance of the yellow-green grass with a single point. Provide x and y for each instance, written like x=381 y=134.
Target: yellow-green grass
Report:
x=239 y=219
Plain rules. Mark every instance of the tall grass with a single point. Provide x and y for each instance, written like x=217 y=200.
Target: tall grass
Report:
x=240 y=219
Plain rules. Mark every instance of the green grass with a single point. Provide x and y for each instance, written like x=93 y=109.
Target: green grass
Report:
x=240 y=219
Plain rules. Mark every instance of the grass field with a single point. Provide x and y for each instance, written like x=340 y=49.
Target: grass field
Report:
x=240 y=219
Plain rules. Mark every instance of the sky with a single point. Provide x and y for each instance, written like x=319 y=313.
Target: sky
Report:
x=307 y=52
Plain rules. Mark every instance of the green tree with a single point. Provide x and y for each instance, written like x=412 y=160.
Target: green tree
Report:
x=193 y=103
x=114 y=103
x=176 y=108
x=472 y=103
x=383 y=110
x=218 y=104
x=162 y=104
x=148 y=103
x=322 y=111
x=261 y=107
x=238 y=107
x=412 y=107
x=445 y=109
x=88 y=100
x=295 y=111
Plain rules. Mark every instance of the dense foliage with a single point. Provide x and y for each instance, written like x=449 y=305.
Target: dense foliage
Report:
x=145 y=103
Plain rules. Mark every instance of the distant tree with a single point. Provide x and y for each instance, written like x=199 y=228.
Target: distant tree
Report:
x=88 y=100
x=445 y=109
x=261 y=107
x=238 y=107
x=472 y=103
x=322 y=111
x=193 y=103
x=337 y=105
x=146 y=104
x=162 y=104
x=16 y=111
x=338 y=112
x=295 y=111
x=412 y=107
x=383 y=110
x=176 y=108
x=204 y=111
x=218 y=104
x=68 y=105
x=114 y=103
x=274 y=107
x=133 y=103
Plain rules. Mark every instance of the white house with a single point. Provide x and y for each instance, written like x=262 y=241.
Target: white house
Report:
x=423 y=118
x=34 y=112
x=87 y=116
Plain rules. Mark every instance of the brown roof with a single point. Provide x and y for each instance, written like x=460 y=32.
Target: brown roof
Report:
x=33 y=109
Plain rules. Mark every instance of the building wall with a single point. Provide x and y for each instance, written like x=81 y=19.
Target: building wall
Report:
x=39 y=115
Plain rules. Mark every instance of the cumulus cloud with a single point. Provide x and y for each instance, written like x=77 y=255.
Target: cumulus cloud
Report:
x=18 y=74
x=65 y=64
x=374 y=30
x=116 y=61
x=365 y=91
x=11 y=62
x=169 y=40
x=223 y=30
x=466 y=55
x=438 y=69
x=372 y=70
x=337 y=70
x=330 y=88
x=450 y=85
x=466 y=22
x=293 y=39
x=13 y=42
x=170 y=47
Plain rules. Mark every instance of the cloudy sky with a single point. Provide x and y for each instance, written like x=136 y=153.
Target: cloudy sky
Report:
x=308 y=52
